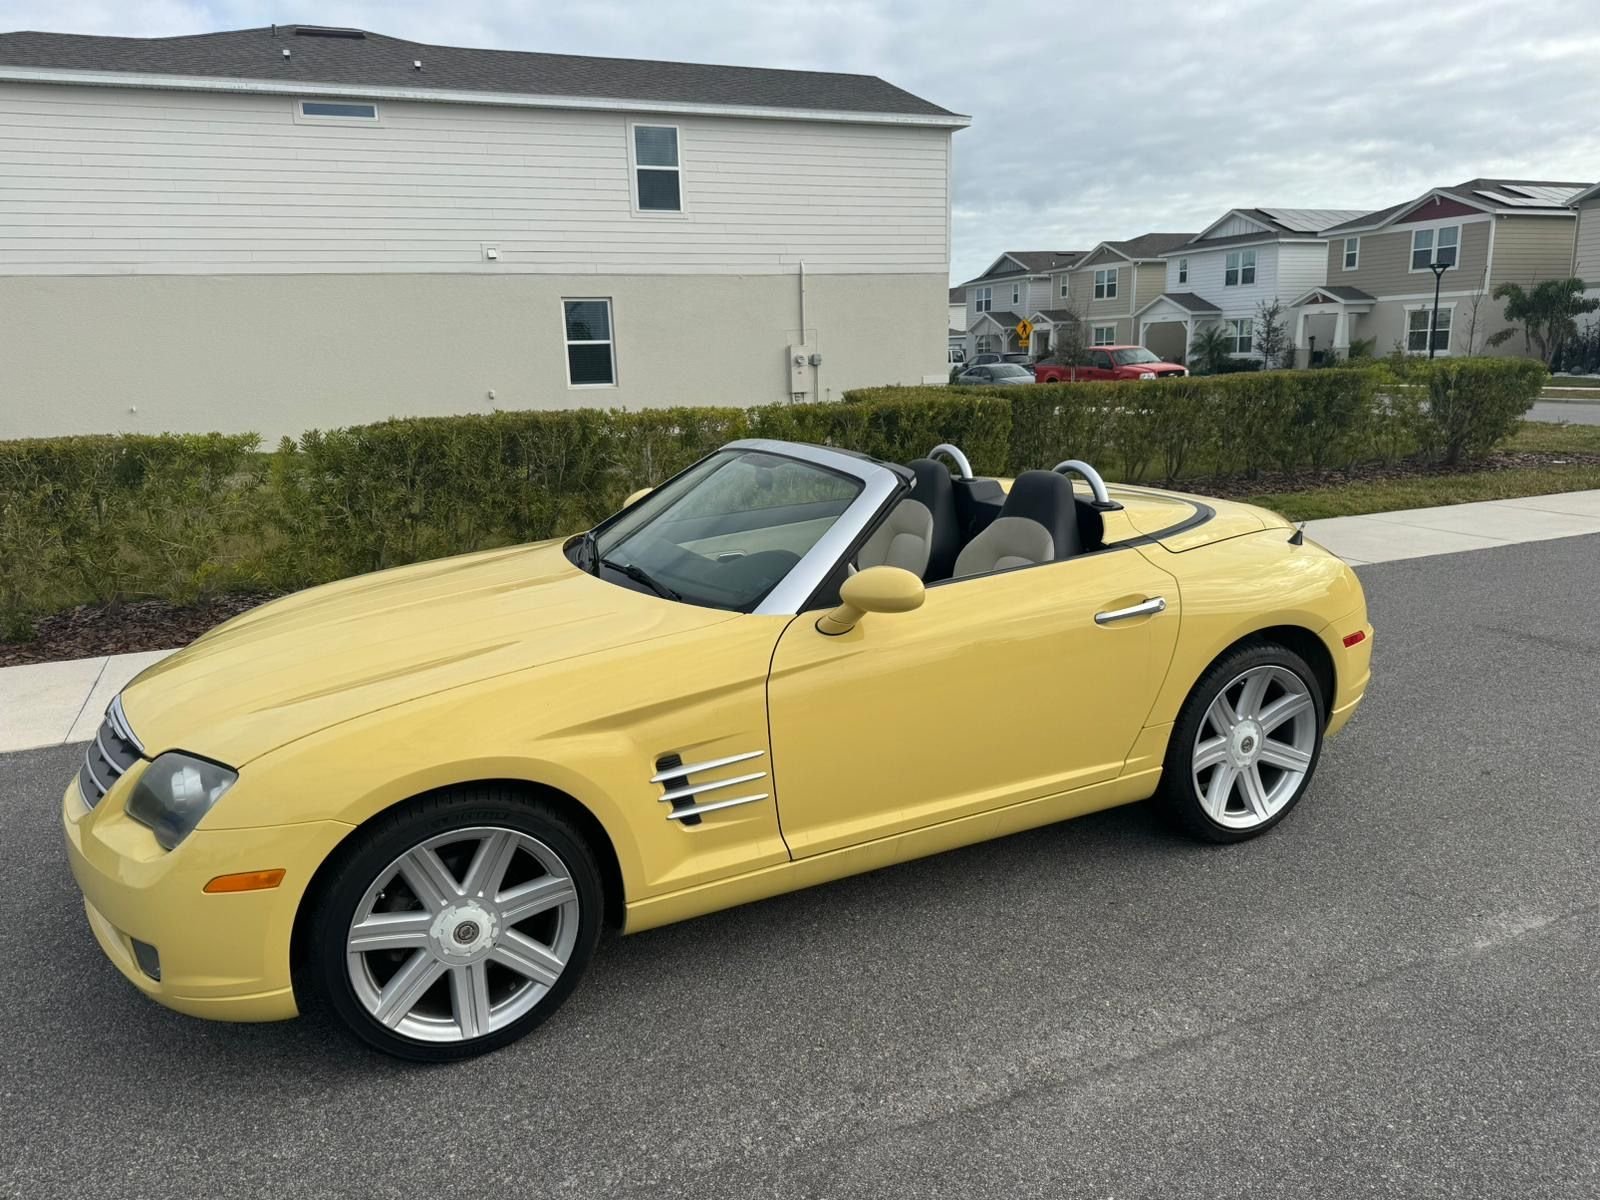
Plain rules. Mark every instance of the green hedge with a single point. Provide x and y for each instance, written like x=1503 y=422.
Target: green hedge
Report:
x=183 y=516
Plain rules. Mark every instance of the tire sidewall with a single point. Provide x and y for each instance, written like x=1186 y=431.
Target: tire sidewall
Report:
x=326 y=970
x=1177 y=778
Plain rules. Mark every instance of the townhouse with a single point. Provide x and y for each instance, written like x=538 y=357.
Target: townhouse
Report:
x=1586 y=239
x=1015 y=286
x=1110 y=284
x=1222 y=275
x=277 y=228
x=1379 y=286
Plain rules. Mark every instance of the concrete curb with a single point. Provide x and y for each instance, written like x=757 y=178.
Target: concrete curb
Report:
x=52 y=704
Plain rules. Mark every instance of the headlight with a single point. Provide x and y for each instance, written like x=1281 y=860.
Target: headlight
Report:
x=1147 y=374
x=175 y=792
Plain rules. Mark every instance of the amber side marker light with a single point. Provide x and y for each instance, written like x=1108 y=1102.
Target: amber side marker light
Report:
x=1350 y=639
x=246 y=881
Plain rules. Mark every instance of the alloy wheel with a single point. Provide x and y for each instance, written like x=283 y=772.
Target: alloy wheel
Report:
x=462 y=934
x=1254 y=747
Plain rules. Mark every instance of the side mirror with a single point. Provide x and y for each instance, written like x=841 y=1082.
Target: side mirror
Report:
x=635 y=497
x=877 y=589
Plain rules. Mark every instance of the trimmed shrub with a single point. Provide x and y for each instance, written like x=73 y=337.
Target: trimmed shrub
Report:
x=1471 y=404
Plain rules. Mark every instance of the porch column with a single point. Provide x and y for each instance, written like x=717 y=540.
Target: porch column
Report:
x=1341 y=336
x=1143 y=328
x=1188 y=339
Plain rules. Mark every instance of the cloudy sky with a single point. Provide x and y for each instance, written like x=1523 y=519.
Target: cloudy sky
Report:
x=1090 y=121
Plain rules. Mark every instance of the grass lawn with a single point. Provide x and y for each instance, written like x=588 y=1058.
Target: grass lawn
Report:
x=1426 y=491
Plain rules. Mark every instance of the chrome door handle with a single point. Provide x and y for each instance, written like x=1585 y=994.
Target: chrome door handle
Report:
x=1143 y=609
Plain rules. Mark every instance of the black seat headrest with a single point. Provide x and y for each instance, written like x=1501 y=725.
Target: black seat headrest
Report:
x=1046 y=497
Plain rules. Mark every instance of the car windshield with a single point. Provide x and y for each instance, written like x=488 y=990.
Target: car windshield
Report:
x=1127 y=358
x=1009 y=371
x=726 y=532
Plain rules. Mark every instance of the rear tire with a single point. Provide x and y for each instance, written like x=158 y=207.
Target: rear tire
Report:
x=455 y=924
x=1245 y=745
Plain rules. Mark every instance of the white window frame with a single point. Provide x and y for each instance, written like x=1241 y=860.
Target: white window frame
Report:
x=1243 y=330
x=1016 y=294
x=1110 y=332
x=1235 y=265
x=610 y=342
x=1061 y=289
x=1434 y=232
x=1183 y=270
x=983 y=299
x=1447 y=322
x=981 y=344
x=634 y=168
x=1105 y=283
x=301 y=117
x=1352 y=253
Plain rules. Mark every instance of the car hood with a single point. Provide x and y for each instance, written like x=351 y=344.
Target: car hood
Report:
x=331 y=653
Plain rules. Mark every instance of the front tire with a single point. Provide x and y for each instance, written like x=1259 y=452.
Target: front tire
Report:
x=455 y=924
x=1245 y=745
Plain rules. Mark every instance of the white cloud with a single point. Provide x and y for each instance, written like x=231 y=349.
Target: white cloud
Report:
x=1089 y=122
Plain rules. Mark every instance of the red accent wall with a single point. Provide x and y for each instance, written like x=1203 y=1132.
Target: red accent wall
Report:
x=1437 y=207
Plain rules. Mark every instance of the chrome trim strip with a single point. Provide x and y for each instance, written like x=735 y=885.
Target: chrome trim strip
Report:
x=956 y=456
x=713 y=764
x=679 y=814
x=110 y=762
x=697 y=788
x=1097 y=485
x=119 y=721
x=1144 y=608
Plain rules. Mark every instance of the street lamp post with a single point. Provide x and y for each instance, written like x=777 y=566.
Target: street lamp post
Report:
x=1438 y=269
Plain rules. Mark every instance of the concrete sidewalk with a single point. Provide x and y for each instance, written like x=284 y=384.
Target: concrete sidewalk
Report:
x=50 y=704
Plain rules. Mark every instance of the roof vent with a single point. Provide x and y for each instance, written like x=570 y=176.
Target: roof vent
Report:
x=327 y=31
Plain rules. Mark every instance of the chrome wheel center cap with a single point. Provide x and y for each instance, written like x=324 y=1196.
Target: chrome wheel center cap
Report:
x=1245 y=743
x=462 y=931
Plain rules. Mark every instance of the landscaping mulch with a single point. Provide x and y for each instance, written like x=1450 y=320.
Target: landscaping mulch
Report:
x=92 y=630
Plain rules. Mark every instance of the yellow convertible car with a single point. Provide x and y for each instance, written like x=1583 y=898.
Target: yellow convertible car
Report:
x=415 y=799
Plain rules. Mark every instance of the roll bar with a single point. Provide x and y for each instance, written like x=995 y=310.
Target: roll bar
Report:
x=1102 y=498
x=955 y=455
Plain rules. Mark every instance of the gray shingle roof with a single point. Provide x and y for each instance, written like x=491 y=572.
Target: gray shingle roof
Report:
x=1058 y=316
x=958 y=295
x=373 y=59
x=1005 y=319
x=1527 y=195
x=1150 y=245
x=1340 y=292
x=1190 y=301
x=1033 y=262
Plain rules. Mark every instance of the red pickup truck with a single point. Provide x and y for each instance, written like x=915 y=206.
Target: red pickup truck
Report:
x=1108 y=362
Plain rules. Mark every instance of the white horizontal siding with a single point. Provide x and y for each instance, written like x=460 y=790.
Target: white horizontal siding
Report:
x=107 y=181
x=1206 y=274
x=1301 y=267
x=1588 y=252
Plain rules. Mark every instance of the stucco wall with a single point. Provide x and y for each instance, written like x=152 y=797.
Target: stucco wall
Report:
x=280 y=354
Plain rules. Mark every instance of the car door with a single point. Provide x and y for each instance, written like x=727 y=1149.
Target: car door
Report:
x=1100 y=364
x=998 y=689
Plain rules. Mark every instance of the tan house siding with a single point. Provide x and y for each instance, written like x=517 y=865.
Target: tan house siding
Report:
x=1385 y=263
x=1530 y=249
x=1586 y=262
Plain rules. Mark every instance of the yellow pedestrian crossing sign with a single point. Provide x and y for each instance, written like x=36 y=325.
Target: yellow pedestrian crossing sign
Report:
x=1024 y=331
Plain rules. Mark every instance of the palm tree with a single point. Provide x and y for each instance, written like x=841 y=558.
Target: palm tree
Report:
x=1210 y=351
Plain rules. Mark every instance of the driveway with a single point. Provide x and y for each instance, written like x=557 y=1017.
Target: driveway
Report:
x=1393 y=994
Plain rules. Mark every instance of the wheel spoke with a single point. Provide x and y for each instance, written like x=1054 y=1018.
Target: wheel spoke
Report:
x=535 y=896
x=1284 y=708
x=401 y=993
x=391 y=931
x=1255 y=793
x=526 y=957
x=1281 y=754
x=489 y=864
x=427 y=876
x=1221 y=714
x=1210 y=752
x=1253 y=693
x=1219 y=789
x=469 y=998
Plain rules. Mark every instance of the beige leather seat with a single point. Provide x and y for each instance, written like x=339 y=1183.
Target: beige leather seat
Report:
x=1038 y=523
x=905 y=539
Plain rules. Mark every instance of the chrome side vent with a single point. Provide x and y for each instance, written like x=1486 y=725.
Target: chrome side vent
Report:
x=679 y=789
x=112 y=752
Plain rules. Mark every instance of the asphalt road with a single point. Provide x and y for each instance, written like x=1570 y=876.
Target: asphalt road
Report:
x=1393 y=994
x=1570 y=411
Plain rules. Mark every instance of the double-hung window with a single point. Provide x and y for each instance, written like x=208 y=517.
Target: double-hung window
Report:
x=1239 y=269
x=591 y=353
x=984 y=343
x=1105 y=335
x=1352 y=253
x=1062 y=289
x=1242 y=332
x=1429 y=246
x=1016 y=294
x=1105 y=284
x=1183 y=270
x=657 y=173
x=1418 y=321
x=983 y=300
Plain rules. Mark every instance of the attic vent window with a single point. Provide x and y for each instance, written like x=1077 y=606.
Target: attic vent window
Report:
x=336 y=110
x=327 y=31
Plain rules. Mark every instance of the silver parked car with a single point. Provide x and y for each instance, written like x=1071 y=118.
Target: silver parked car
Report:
x=991 y=374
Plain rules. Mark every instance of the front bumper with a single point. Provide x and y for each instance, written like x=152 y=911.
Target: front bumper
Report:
x=1352 y=668
x=225 y=956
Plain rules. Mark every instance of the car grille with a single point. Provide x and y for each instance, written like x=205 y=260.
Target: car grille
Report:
x=112 y=752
